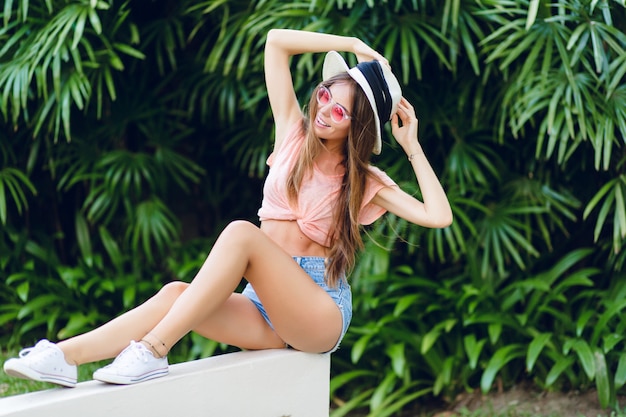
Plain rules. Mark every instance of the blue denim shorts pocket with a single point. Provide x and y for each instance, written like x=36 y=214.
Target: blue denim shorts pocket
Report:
x=315 y=267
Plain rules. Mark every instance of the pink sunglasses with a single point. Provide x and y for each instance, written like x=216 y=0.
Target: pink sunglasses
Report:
x=337 y=112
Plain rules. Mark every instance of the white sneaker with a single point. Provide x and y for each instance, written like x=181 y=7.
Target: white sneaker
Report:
x=135 y=364
x=43 y=362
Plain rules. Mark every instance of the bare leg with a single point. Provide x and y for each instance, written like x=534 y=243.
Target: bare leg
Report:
x=303 y=315
x=110 y=339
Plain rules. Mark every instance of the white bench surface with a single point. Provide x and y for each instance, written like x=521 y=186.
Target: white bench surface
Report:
x=272 y=383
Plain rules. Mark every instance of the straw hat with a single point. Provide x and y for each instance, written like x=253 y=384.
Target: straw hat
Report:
x=377 y=81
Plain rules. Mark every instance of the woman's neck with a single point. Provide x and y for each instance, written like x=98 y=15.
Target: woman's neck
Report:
x=330 y=159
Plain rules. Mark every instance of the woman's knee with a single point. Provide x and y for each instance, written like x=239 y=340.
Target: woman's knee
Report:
x=171 y=291
x=240 y=231
x=241 y=227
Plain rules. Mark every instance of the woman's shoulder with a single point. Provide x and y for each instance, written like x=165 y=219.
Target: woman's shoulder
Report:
x=379 y=173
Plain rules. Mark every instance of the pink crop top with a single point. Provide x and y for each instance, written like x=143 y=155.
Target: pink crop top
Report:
x=317 y=193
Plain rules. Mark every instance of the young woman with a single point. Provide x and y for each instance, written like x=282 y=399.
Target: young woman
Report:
x=319 y=189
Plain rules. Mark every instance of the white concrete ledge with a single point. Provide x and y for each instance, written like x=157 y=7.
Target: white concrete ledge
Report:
x=268 y=383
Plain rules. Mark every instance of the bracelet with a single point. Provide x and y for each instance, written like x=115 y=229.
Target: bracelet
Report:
x=412 y=156
x=153 y=349
x=164 y=345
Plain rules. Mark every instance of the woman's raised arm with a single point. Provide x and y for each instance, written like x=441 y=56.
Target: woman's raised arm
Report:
x=281 y=44
x=435 y=210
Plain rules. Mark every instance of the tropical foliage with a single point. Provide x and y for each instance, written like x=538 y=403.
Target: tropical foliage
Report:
x=133 y=131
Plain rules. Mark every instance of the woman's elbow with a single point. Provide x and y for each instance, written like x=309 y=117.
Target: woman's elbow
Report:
x=271 y=37
x=433 y=221
x=274 y=36
x=442 y=220
x=446 y=221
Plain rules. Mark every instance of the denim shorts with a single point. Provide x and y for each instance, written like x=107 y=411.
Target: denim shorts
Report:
x=315 y=267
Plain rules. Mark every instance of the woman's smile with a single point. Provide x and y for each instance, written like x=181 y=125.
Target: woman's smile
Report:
x=320 y=122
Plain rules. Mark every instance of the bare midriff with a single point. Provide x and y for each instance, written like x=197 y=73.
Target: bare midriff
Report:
x=287 y=234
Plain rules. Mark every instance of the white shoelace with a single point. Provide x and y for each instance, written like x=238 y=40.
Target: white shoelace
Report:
x=42 y=345
x=139 y=351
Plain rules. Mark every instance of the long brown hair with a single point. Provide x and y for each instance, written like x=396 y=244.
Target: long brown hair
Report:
x=345 y=235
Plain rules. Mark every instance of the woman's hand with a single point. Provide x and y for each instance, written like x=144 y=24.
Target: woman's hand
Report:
x=404 y=126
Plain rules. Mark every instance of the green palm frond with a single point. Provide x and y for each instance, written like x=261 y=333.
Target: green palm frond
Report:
x=59 y=56
x=559 y=206
x=180 y=169
x=120 y=179
x=450 y=244
x=153 y=229
x=232 y=42
x=472 y=163
x=596 y=43
x=166 y=37
x=13 y=186
x=461 y=24
x=611 y=199
x=130 y=173
x=504 y=238
x=410 y=41
x=571 y=109
x=40 y=49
